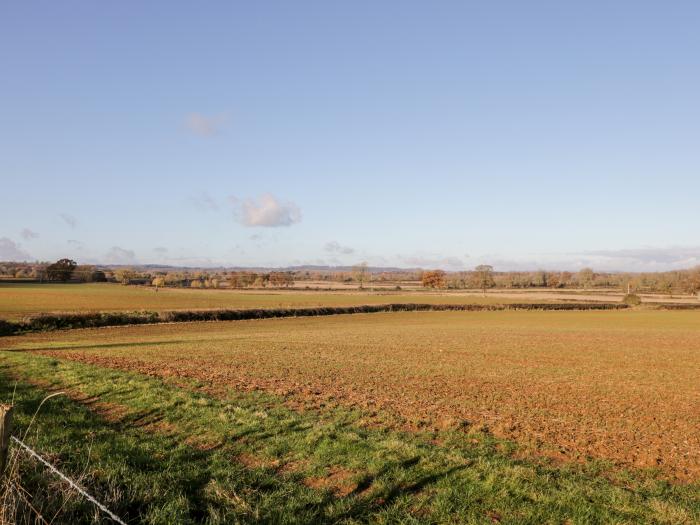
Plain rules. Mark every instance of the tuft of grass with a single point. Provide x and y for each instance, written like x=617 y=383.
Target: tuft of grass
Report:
x=159 y=452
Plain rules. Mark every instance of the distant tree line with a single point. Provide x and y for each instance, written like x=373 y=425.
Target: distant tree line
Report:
x=204 y=279
x=482 y=277
x=62 y=270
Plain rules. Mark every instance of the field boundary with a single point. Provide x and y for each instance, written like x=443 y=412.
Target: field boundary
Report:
x=52 y=322
x=679 y=306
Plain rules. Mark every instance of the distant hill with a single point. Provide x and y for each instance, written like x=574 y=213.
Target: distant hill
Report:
x=302 y=268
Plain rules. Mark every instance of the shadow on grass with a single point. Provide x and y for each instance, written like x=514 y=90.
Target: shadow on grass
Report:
x=137 y=473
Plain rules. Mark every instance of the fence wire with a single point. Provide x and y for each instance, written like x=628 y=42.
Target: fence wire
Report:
x=72 y=483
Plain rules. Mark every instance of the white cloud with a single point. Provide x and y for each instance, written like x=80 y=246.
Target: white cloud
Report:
x=69 y=219
x=336 y=247
x=12 y=251
x=204 y=126
x=268 y=211
x=28 y=234
x=161 y=250
x=119 y=255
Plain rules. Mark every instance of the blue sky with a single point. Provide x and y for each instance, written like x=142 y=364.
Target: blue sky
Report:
x=523 y=134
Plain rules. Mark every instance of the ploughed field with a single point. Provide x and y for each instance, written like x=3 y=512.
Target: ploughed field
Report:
x=622 y=386
x=20 y=300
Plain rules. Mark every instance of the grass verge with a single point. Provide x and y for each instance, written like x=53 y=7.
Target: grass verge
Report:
x=156 y=452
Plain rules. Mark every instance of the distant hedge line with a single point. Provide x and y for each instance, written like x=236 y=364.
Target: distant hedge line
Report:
x=50 y=322
x=679 y=306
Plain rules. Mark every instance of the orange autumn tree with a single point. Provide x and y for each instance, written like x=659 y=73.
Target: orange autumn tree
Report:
x=433 y=279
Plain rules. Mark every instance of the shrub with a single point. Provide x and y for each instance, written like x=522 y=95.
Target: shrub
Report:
x=632 y=299
x=7 y=328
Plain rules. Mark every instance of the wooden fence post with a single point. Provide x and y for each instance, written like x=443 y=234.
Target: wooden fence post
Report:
x=5 y=429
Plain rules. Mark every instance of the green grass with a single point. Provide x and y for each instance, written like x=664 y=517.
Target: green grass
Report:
x=19 y=300
x=173 y=456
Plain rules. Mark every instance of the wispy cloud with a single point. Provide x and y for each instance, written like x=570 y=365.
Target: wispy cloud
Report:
x=69 y=219
x=267 y=211
x=336 y=247
x=28 y=234
x=672 y=255
x=204 y=202
x=78 y=245
x=160 y=250
x=433 y=261
x=12 y=251
x=646 y=259
x=194 y=261
x=203 y=125
x=118 y=255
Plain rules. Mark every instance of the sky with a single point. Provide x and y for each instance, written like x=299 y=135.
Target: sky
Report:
x=526 y=135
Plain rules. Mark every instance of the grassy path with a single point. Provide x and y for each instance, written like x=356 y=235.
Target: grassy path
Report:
x=156 y=452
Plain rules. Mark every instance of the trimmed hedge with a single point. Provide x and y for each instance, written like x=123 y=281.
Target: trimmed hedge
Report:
x=7 y=328
x=51 y=322
x=679 y=306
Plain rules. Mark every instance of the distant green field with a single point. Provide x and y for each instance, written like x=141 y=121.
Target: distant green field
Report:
x=18 y=300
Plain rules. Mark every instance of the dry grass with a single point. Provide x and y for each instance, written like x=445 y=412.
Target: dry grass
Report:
x=619 y=385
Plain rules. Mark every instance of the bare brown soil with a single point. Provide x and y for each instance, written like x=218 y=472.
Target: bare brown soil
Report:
x=338 y=480
x=623 y=386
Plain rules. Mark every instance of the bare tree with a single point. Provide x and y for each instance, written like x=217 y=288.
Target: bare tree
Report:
x=125 y=275
x=361 y=274
x=483 y=275
x=585 y=277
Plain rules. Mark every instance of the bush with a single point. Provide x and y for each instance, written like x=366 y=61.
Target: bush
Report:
x=632 y=299
x=7 y=328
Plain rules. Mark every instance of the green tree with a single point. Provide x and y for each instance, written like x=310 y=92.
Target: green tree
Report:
x=61 y=270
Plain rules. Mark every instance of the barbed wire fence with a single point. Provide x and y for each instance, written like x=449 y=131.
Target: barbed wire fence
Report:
x=6 y=438
x=69 y=481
